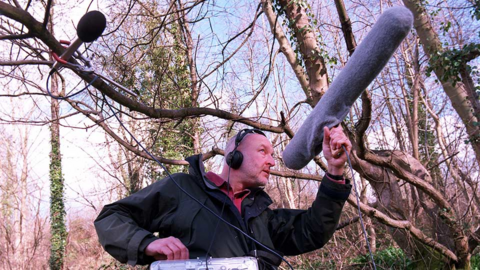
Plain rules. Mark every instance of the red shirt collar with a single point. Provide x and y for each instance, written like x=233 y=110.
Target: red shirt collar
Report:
x=216 y=179
x=236 y=197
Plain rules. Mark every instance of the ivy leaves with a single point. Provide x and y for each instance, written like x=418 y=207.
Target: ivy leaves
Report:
x=451 y=61
x=290 y=23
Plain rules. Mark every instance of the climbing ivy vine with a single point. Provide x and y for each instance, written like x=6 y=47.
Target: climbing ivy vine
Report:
x=320 y=50
x=57 y=208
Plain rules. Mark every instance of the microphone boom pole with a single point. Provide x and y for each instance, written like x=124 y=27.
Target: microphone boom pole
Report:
x=89 y=28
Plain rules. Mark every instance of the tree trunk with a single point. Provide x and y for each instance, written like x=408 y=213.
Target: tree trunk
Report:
x=57 y=207
x=457 y=92
x=304 y=31
x=58 y=231
x=286 y=48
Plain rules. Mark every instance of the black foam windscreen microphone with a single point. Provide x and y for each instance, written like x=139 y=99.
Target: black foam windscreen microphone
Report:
x=89 y=28
x=363 y=67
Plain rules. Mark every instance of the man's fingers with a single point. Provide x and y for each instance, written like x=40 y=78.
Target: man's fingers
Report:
x=337 y=140
x=336 y=143
x=337 y=153
x=184 y=255
x=167 y=251
x=179 y=249
x=169 y=248
x=326 y=140
x=171 y=251
x=174 y=249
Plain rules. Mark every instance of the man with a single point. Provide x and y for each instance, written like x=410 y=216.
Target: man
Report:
x=186 y=229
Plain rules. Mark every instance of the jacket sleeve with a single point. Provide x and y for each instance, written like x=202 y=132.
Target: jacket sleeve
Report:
x=125 y=228
x=295 y=232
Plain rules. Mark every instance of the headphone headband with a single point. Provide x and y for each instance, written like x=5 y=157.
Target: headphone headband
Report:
x=245 y=132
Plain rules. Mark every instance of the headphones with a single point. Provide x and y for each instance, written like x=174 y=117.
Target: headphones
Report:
x=235 y=158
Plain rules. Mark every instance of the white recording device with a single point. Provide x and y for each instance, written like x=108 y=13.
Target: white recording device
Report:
x=237 y=263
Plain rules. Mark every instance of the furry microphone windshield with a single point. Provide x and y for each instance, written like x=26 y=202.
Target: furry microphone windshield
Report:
x=365 y=64
x=91 y=26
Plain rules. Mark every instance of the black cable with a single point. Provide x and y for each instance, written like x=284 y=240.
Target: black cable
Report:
x=359 y=211
x=221 y=212
x=165 y=169
x=68 y=96
x=218 y=221
x=186 y=192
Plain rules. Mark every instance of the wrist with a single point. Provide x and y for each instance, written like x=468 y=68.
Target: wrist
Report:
x=149 y=248
x=335 y=171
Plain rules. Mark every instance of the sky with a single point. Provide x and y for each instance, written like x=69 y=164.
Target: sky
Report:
x=84 y=154
x=83 y=150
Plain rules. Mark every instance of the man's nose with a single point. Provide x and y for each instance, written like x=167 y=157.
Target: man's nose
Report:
x=271 y=161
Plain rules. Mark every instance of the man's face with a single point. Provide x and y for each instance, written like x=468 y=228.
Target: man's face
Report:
x=257 y=160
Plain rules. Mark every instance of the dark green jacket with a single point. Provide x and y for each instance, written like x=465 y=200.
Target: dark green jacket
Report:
x=126 y=227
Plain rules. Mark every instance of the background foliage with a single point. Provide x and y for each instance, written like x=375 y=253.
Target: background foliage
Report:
x=202 y=70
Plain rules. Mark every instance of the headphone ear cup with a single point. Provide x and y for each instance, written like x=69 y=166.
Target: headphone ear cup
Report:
x=235 y=159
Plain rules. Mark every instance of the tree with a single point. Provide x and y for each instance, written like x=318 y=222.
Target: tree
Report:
x=23 y=228
x=191 y=75
x=402 y=165
x=57 y=205
x=58 y=230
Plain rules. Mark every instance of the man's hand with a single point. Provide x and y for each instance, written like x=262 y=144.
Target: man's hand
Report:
x=169 y=248
x=333 y=139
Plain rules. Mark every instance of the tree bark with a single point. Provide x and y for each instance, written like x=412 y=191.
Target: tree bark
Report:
x=286 y=48
x=58 y=229
x=57 y=206
x=308 y=47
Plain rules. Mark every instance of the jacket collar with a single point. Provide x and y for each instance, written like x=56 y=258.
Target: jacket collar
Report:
x=196 y=165
x=198 y=169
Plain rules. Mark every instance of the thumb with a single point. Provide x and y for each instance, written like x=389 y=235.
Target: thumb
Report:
x=160 y=257
x=326 y=135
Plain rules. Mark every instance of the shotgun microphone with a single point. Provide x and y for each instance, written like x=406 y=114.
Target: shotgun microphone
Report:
x=89 y=28
x=363 y=67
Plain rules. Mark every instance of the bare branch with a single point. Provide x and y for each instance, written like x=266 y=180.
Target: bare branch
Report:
x=25 y=62
x=403 y=224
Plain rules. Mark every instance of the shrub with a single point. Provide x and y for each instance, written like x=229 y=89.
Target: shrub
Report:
x=475 y=262
x=389 y=258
